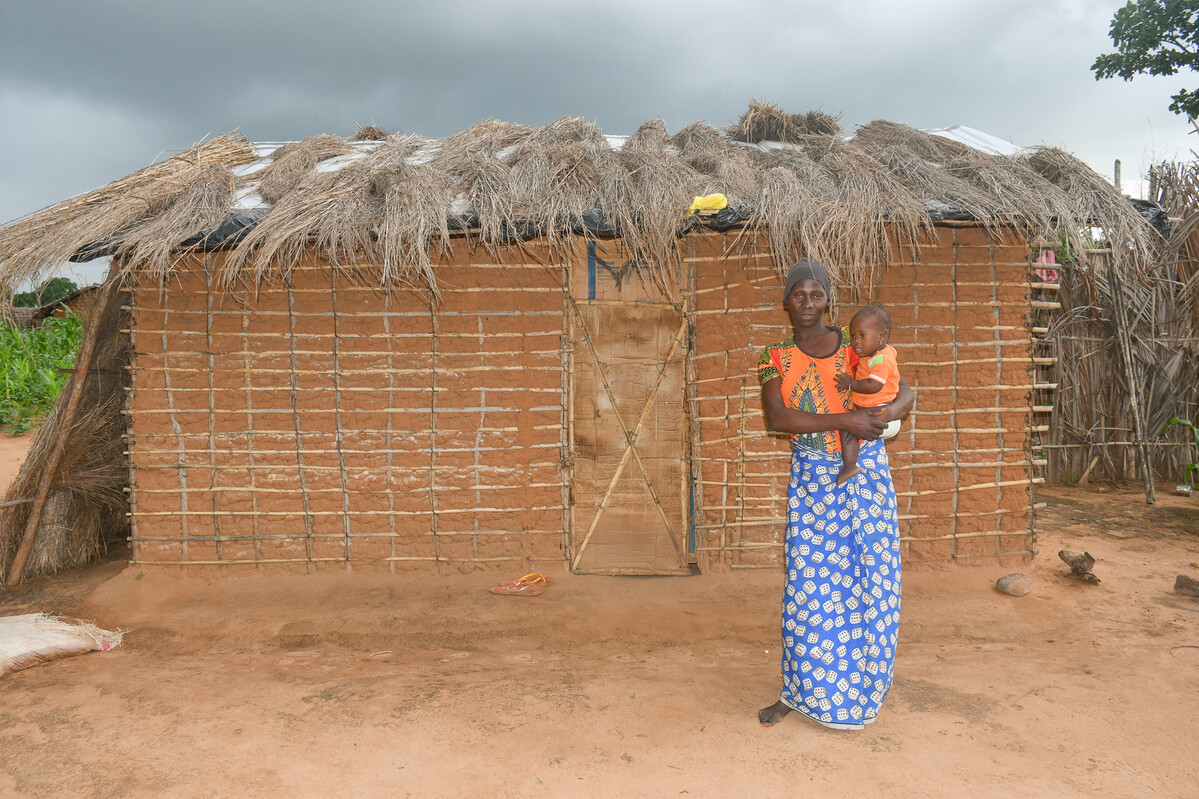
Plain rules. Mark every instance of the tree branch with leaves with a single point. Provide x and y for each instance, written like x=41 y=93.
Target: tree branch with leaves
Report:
x=1155 y=37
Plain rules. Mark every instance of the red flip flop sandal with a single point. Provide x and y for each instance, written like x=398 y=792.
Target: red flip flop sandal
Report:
x=522 y=589
x=530 y=579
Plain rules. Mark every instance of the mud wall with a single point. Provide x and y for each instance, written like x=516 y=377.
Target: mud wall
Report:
x=316 y=421
x=961 y=465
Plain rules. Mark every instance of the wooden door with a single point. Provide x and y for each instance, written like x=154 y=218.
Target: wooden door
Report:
x=629 y=513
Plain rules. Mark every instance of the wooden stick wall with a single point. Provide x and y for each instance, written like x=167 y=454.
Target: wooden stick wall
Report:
x=319 y=421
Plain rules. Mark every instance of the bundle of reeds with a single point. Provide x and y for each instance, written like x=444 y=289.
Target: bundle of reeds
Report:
x=766 y=122
x=292 y=162
x=84 y=511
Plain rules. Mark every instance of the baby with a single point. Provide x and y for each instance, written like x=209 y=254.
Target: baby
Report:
x=875 y=378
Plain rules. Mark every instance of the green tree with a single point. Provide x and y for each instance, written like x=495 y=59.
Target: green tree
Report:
x=1155 y=37
x=52 y=290
x=55 y=289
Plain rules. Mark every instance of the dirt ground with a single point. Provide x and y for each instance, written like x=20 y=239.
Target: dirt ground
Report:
x=379 y=686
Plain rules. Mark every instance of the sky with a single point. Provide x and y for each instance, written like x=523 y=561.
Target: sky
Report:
x=91 y=90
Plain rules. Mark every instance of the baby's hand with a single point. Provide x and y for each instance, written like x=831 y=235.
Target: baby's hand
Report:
x=843 y=381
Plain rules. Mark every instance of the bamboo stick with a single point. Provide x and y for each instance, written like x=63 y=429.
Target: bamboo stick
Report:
x=263 y=370
x=84 y=360
x=958 y=536
x=311 y=468
x=490 y=313
x=264 y=490
x=1082 y=481
x=359 y=431
x=339 y=433
x=130 y=462
x=373 y=451
x=212 y=474
x=181 y=447
x=238 y=562
x=295 y=415
x=567 y=459
x=976 y=486
x=751 y=545
x=250 y=425
x=1038 y=360
x=247 y=352
x=1184 y=444
x=691 y=428
x=345 y=513
x=387 y=440
x=1123 y=337
x=433 y=506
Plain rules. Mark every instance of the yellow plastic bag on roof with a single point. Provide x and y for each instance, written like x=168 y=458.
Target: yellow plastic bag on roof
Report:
x=709 y=202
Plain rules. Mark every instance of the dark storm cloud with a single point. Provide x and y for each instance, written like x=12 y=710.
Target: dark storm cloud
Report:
x=90 y=91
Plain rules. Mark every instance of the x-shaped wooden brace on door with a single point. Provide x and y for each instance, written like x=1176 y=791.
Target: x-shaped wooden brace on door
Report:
x=630 y=434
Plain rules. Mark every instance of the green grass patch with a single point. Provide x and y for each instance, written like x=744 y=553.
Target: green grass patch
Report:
x=30 y=364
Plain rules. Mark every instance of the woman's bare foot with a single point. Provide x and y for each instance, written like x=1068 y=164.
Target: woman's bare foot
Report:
x=769 y=716
x=847 y=473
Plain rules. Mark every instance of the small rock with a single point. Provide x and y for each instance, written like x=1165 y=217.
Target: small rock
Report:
x=1014 y=585
x=1187 y=586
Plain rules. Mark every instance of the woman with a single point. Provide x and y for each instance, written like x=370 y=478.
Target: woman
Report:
x=841 y=603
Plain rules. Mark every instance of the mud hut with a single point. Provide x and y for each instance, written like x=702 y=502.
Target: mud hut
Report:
x=519 y=346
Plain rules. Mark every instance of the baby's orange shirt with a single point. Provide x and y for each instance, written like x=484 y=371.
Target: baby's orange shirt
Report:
x=883 y=366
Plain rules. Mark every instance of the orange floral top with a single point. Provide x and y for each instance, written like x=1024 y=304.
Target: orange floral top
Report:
x=810 y=384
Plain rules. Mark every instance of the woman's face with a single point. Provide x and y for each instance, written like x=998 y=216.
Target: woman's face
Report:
x=806 y=303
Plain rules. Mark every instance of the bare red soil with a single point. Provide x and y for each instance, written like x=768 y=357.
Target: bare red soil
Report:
x=413 y=684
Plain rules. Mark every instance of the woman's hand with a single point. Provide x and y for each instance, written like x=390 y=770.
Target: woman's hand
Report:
x=899 y=407
x=865 y=423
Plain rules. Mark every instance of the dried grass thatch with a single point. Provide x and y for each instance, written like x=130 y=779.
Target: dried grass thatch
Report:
x=85 y=509
x=32 y=246
x=721 y=166
x=370 y=133
x=764 y=122
x=149 y=246
x=381 y=209
x=390 y=207
x=1097 y=203
x=292 y=162
x=994 y=189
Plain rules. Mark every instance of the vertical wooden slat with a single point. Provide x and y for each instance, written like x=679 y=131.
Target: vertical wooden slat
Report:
x=387 y=436
x=184 y=516
x=566 y=461
x=247 y=363
x=293 y=382
x=433 y=428
x=339 y=432
x=953 y=417
x=213 y=472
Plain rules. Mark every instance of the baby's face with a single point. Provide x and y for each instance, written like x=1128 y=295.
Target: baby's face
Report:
x=866 y=336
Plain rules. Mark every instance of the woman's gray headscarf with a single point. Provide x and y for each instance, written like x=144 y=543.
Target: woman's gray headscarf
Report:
x=806 y=269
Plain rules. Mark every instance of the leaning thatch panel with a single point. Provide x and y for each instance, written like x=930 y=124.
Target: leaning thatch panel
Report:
x=85 y=510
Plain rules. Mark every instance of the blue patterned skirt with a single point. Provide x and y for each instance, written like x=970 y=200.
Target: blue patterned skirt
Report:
x=841 y=604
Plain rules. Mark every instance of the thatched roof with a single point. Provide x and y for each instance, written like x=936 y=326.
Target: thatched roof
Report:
x=390 y=204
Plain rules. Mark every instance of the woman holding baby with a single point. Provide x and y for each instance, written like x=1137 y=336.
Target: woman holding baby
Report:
x=841 y=600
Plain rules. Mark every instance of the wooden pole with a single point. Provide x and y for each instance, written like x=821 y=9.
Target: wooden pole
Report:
x=1118 y=312
x=60 y=442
